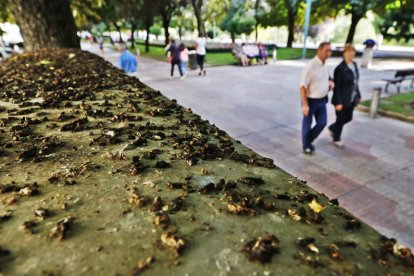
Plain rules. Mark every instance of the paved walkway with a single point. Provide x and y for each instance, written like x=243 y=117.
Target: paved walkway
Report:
x=372 y=177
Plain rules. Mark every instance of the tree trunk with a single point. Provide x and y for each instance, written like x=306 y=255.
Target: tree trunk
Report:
x=256 y=28
x=354 y=22
x=180 y=31
x=197 y=4
x=133 y=28
x=118 y=29
x=256 y=17
x=291 y=28
x=166 y=25
x=147 y=38
x=45 y=23
x=233 y=37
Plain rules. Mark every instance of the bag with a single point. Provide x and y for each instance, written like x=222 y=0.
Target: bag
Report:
x=170 y=59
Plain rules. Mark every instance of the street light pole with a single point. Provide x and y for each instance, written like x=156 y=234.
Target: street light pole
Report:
x=306 y=28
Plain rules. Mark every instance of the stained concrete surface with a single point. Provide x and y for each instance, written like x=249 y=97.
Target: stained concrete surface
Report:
x=372 y=177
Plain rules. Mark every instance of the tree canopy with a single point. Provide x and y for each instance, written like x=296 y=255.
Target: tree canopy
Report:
x=396 y=20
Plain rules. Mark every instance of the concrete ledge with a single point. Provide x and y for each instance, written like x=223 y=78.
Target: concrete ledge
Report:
x=388 y=114
x=100 y=174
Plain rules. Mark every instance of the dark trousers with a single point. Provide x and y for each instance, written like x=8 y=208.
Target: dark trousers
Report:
x=342 y=117
x=178 y=63
x=317 y=109
x=200 y=61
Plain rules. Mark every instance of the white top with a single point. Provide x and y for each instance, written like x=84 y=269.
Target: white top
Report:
x=315 y=77
x=201 y=46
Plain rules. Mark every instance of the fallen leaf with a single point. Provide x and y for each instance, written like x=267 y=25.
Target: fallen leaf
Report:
x=313 y=248
x=315 y=206
x=294 y=215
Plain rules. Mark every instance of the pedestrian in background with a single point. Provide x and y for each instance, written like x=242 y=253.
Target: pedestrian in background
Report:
x=101 y=47
x=127 y=61
x=201 y=53
x=262 y=52
x=174 y=53
x=346 y=93
x=184 y=58
x=314 y=87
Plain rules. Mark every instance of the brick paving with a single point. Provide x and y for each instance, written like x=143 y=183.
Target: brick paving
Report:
x=372 y=177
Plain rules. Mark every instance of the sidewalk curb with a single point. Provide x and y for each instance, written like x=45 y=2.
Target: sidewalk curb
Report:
x=388 y=114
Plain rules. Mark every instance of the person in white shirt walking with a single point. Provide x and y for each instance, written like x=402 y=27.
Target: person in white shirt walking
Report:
x=201 y=53
x=314 y=87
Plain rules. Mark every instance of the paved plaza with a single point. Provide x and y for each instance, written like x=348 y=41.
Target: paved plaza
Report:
x=372 y=177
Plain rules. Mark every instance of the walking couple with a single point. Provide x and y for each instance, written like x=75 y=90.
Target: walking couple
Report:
x=314 y=87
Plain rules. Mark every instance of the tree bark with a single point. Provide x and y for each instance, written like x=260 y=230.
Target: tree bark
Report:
x=233 y=37
x=180 y=31
x=148 y=26
x=256 y=28
x=133 y=28
x=118 y=29
x=166 y=25
x=291 y=24
x=256 y=17
x=45 y=23
x=166 y=9
x=197 y=4
x=356 y=17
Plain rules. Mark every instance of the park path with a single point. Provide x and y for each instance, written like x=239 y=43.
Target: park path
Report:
x=372 y=177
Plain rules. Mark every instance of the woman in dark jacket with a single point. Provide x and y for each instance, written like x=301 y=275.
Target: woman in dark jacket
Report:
x=175 y=52
x=346 y=93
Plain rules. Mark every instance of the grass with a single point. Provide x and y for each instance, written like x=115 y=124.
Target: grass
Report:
x=293 y=53
x=220 y=59
x=401 y=103
x=227 y=58
x=154 y=52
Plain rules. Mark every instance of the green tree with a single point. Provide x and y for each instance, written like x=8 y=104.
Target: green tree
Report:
x=148 y=12
x=155 y=30
x=292 y=7
x=183 y=20
x=5 y=13
x=260 y=8
x=197 y=6
x=130 y=11
x=398 y=21
x=167 y=9
x=45 y=24
x=216 y=10
x=85 y=12
x=358 y=9
x=237 y=20
x=282 y=13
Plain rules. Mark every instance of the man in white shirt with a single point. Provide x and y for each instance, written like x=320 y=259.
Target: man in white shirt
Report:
x=315 y=84
x=201 y=53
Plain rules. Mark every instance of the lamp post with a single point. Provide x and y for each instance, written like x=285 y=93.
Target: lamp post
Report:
x=306 y=28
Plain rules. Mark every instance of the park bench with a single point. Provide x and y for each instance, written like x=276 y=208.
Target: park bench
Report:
x=400 y=76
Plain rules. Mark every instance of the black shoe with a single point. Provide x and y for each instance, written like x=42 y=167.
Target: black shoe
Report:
x=199 y=73
x=307 y=151
x=312 y=147
x=204 y=72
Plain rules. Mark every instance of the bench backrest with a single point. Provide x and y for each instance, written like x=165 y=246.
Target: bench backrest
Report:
x=404 y=73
